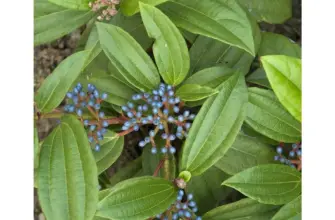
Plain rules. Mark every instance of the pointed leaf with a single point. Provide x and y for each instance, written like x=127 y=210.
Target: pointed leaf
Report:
x=207 y=52
x=246 y=152
x=268 y=184
x=194 y=92
x=126 y=172
x=130 y=7
x=216 y=126
x=67 y=175
x=111 y=148
x=128 y=57
x=223 y=20
x=267 y=116
x=170 y=49
x=44 y=7
x=73 y=4
x=259 y=77
x=290 y=211
x=36 y=147
x=56 y=85
x=137 y=198
x=247 y=130
x=244 y=209
x=284 y=74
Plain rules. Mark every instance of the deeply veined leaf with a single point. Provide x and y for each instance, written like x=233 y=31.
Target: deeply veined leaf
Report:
x=137 y=198
x=277 y=44
x=126 y=172
x=207 y=52
x=55 y=86
x=130 y=7
x=269 y=184
x=194 y=92
x=67 y=175
x=246 y=152
x=111 y=148
x=244 y=209
x=211 y=77
x=170 y=49
x=258 y=77
x=58 y=23
x=267 y=116
x=207 y=190
x=216 y=126
x=284 y=74
x=223 y=20
x=73 y=4
x=271 y=11
x=128 y=57
x=290 y=211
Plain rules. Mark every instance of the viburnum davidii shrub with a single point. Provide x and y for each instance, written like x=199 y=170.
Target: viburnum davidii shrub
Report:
x=211 y=104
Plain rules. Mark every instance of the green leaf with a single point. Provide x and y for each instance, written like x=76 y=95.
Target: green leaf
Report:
x=111 y=148
x=247 y=130
x=216 y=126
x=258 y=77
x=207 y=52
x=244 y=209
x=56 y=85
x=246 y=152
x=73 y=4
x=268 y=184
x=211 y=77
x=284 y=74
x=207 y=190
x=271 y=11
x=290 y=211
x=36 y=147
x=194 y=92
x=190 y=37
x=138 y=198
x=130 y=7
x=44 y=7
x=58 y=23
x=277 y=44
x=150 y=163
x=67 y=175
x=267 y=116
x=126 y=172
x=170 y=49
x=223 y=20
x=128 y=57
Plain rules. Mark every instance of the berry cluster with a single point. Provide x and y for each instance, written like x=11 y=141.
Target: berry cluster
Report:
x=158 y=108
x=183 y=208
x=91 y=101
x=109 y=8
x=294 y=156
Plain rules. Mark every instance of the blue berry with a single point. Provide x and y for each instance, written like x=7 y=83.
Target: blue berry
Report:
x=130 y=114
x=187 y=214
x=156 y=121
x=192 y=116
x=164 y=150
x=90 y=139
x=172 y=150
x=159 y=216
x=69 y=95
x=149 y=100
x=155 y=92
x=96 y=94
x=86 y=122
x=100 y=138
x=180 y=118
x=180 y=213
x=79 y=86
x=179 y=198
x=146 y=95
x=276 y=157
x=101 y=114
x=176 y=109
x=179 y=135
x=192 y=204
x=139 y=108
x=171 y=101
x=190 y=196
x=155 y=110
x=161 y=126
x=186 y=114
x=169 y=87
x=141 y=144
x=177 y=100
x=138 y=114
x=282 y=160
x=133 y=120
x=292 y=154
x=79 y=112
x=161 y=92
x=299 y=152
x=175 y=216
x=136 y=127
x=144 y=121
x=181 y=192
x=187 y=125
x=125 y=127
x=198 y=218
x=165 y=111
x=164 y=99
x=130 y=105
x=75 y=99
x=71 y=108
x=83 y=104
x=99 y=134
x=134 y=97
x=92 y=127
x=97 y=106
x=279 y=150
x=170 y=119
x=75 y=90
x=82 y=94
x=124 y=108
x=153 y=150
x=172 y=137
x=105 y=124
x=178 y=206
x=91 y=103
x=294 y=146
x=184 y=206
x=127 y=123
x=103 y=130
x=152 y=133
x=171 y=93
x=145 y=108
x=164 y=135
x=104 y=96
x=97 y=147
x=195 y=209
x=179 y=129
x=147 y=139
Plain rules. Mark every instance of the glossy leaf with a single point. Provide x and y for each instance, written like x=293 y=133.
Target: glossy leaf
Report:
x=126 y=172
x=244 y=209
x=130 y=7
x=246 y=152
x=50 y=27
x=211 y=77
x=216 y=126
x=223 y=20
x=277 y=44
x=207 y=190
x=194 y=92
x=128 y=57
x=271 y=11
x=73 y=4
x=207 y=52
x=56 y=85
x=111 y=148
x=67 y=175
x=269 y=184
x=258 y=77
x=290 y=211
x=267 y=116
x=170 y=49
x=137 y=198
x=284 y=74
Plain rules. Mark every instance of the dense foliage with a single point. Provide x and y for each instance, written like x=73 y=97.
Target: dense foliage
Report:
x=216 y=102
